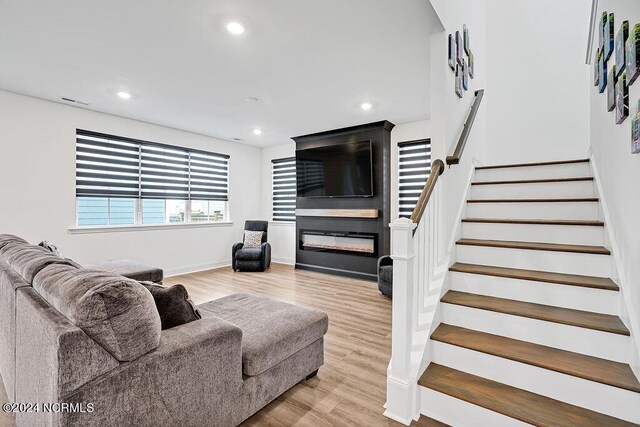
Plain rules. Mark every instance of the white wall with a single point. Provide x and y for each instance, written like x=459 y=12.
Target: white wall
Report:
x=537 y=85
x=37 y=187
x=450 y=112
x=282 y=235
x=619 y=173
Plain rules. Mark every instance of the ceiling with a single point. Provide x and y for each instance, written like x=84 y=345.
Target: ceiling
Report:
x=310 y=63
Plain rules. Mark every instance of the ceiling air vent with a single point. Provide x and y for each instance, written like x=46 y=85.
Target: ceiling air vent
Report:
x=74 y=101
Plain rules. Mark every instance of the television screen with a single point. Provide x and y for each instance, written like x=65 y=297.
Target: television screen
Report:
x=342 y=170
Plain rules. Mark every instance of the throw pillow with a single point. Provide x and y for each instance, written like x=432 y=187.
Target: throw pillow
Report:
x=174 y=305
x=252 y=239
x=51 y=248
x=116 y=312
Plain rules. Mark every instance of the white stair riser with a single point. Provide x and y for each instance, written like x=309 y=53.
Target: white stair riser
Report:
x=458 y=413
x=554 y=294
x=569 y=234
x=548 y=190
x=556 y=262
x=572 y=338
x=540 y=210
x=602 y=398
x=571 y=170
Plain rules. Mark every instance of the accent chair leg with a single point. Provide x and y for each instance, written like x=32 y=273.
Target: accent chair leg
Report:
x=311 y=375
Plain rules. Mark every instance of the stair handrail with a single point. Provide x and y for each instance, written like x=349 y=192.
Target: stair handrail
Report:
x=468 y=124
x=418 y=278
x=437 y=167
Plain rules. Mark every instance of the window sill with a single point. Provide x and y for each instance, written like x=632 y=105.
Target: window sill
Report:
x=149 y=227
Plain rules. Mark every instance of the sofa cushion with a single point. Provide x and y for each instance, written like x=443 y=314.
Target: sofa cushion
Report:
x=6 y=239
x=132 y=269
x=386 y=273
x=271 y=330
x=28 y=260
x=173 y=304
x=116 y=312
x=250 y=254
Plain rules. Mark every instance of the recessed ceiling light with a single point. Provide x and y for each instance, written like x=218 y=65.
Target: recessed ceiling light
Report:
x=252 y=99
x=257 y=131
x=124 y=95
x=366 y=106
x=235 y=28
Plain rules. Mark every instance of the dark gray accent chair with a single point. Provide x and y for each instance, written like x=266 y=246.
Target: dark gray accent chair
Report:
x=252 y=259
x=385 y=275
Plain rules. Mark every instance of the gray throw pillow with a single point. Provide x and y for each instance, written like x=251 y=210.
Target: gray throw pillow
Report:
x=51 y=248
x=116 y=312
x=252 y=239
x=174 y=305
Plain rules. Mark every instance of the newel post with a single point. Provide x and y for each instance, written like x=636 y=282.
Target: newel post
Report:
x=401 y=388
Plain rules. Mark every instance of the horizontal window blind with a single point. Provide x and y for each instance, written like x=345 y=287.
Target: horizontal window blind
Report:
x=284 y=189
x=113 y=166
x=414 y=167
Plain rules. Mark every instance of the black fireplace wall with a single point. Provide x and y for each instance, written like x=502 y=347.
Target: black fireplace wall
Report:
x=379 y=133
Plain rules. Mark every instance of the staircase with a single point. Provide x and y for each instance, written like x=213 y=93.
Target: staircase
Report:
x=529 y=331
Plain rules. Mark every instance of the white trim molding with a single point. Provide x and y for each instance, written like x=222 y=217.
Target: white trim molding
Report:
x=148 y=227
x=178 y=271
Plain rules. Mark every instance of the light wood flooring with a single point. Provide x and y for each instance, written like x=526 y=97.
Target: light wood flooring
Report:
x=350 y=388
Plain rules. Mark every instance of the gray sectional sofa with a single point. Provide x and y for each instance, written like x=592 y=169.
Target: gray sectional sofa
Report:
x=92 y=339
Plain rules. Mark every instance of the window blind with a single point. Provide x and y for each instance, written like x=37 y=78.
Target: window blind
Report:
x=414 y=167
x=284 y=189
x=116 y=167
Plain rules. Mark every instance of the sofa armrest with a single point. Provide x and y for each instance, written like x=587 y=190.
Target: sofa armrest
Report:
x=266 y=255
x=384 y=260
x=236 y=247
x=193 y=378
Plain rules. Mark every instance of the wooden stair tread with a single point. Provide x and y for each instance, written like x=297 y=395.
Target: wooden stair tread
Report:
x=534 y=181
x=536 y=246
x=565 y=316
x=536 y=221
x=424 y=421
x=590 y=368
x=520 y=165
x=511 y=401
x=567 y=200
x=538 y=276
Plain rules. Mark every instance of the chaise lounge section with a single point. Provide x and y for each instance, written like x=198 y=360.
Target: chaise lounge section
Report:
x=83 y=336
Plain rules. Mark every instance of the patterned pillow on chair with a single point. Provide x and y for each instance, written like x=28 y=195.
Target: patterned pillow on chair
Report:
x=252 y=239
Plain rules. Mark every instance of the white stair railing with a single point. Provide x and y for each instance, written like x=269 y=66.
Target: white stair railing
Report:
x=414 y=248
x=417 y=285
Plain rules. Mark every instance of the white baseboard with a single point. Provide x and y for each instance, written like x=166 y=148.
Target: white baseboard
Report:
x=177 y=271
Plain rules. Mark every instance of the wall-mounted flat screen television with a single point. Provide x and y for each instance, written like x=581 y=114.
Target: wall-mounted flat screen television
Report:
x=341 y=170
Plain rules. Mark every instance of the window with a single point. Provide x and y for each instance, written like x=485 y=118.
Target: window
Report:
x=414 y=164
x=284 y=189
x=122 y=181
x=95 y=211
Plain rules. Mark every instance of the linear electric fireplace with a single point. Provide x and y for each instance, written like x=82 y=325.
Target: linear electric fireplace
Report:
x=343 y=229
x=362 y=244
